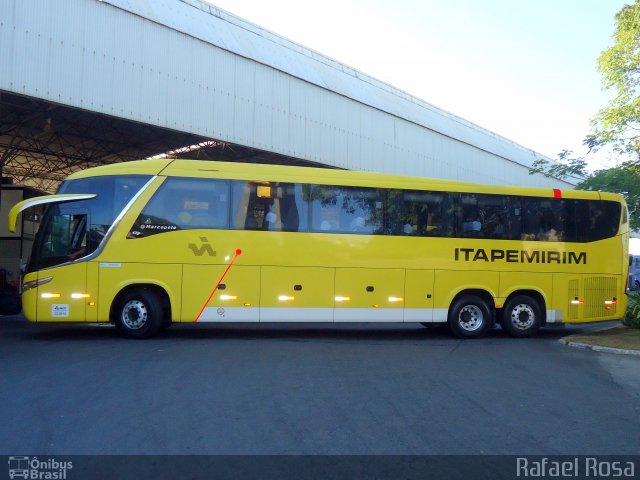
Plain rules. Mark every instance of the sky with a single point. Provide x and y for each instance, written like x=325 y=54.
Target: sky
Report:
x=524 y=69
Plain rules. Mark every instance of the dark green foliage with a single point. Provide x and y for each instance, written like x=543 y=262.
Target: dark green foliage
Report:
x=632 y=317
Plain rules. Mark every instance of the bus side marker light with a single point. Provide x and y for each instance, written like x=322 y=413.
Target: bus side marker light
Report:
x=247 y=304
x=375 y=305
x=228 y=297
x=342 y=299
x=92 y=304
x=80 y=295
x=50 y=295
x=285 y=298
x=395 y=299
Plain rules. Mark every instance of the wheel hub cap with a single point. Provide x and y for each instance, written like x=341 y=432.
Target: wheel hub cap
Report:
x=470 y=318
x=522 y=316
x=134 y=314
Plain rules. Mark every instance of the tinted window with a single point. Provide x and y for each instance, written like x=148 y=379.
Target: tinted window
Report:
x=565 y=220
x=112 y=195
x=184 y=204
x=72 y=230
x=268 y=206
x=63 y=238
x=545 y=219
x=487 y=216
x=604 y=219
x=425 y=214
x=345 y=209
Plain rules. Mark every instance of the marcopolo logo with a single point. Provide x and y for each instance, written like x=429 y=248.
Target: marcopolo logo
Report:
x=38 y=469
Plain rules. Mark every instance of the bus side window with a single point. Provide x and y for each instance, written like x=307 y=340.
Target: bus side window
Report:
x=577 y=215
x=184 y=203
x=514 y=218
x=293 y=209
x=493 y=213
x=469 y=218
x=360 y=211
x=544 y=219
x=325 y=210
x=240 y=193
x=422 y=214
x=270 y=206
x=605 y=219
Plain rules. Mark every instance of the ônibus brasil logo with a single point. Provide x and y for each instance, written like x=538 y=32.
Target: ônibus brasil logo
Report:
x=37 y=469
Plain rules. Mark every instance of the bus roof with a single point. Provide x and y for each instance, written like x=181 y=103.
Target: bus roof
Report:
x=281 y=173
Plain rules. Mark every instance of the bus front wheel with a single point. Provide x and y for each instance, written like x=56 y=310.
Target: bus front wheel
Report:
x=138 y=314
x=469 y=317
x=522 y=316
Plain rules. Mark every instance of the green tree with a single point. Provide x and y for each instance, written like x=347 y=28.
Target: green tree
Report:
x=618 y=124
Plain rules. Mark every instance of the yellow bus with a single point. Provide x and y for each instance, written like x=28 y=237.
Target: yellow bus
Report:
x=145 y=244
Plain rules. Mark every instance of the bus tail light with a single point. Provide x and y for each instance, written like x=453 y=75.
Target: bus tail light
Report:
x=577 y=301
x=228 y=297
x=342 y=299
x=395 y=299
x=80 y=295
x=285 y=298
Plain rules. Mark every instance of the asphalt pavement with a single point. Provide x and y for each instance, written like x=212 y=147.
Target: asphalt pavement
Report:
x=310 y=389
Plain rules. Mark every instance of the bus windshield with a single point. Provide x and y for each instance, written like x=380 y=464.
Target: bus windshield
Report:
x=73 y=230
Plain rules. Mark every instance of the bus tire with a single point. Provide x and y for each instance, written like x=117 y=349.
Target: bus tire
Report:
x=470 y=317
x=522 y=316
x=139 y=314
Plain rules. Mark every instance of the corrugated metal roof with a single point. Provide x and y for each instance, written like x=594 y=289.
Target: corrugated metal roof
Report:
x=213 y=25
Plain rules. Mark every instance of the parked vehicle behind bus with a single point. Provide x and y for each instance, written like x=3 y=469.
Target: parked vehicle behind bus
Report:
x=634 y=272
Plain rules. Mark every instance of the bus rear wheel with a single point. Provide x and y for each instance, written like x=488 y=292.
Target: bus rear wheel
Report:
x=522 y=316
x=138 y=314
x=470 y=317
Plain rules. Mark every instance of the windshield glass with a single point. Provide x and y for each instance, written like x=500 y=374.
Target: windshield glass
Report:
x=73 y=230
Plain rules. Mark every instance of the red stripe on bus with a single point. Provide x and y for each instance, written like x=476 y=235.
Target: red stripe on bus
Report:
x=238 y=252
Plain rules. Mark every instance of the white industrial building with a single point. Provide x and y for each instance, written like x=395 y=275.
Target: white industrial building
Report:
x=85 y=82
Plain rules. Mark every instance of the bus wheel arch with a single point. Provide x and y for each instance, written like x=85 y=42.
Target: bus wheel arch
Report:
x=524 y=313
x=141 y=310
x=471 y=313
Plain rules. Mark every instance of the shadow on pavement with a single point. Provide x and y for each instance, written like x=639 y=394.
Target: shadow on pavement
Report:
x=15 y=326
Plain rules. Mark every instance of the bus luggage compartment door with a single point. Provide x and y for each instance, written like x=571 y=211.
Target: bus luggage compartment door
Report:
x=296 y=294
x=369 y=295
x=236 y=297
